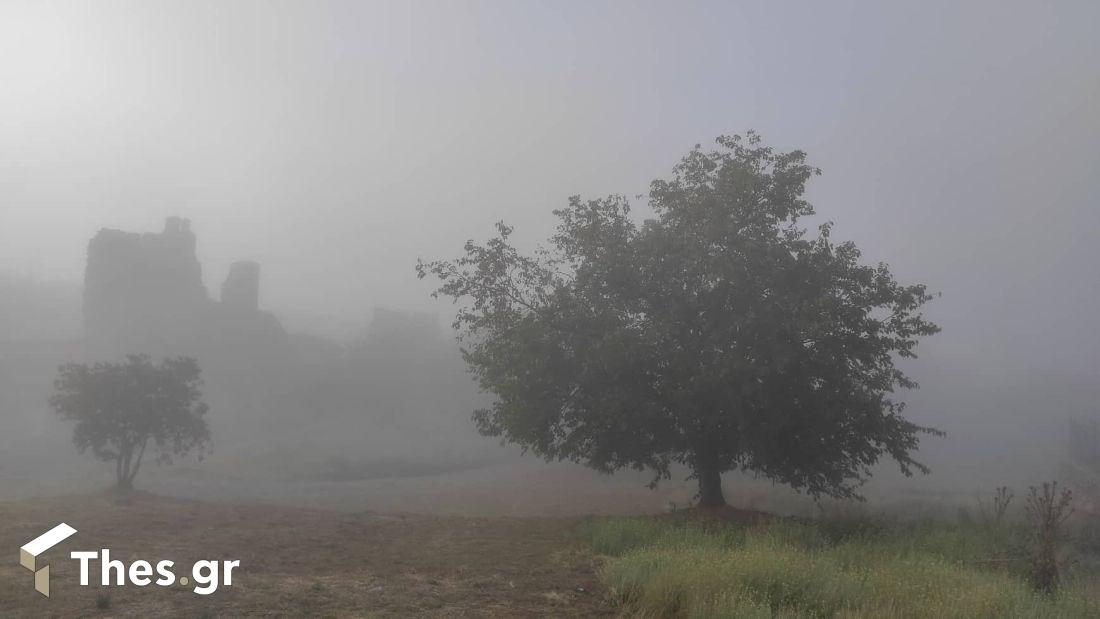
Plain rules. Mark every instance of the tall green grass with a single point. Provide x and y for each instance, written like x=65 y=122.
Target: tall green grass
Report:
x=791 y=569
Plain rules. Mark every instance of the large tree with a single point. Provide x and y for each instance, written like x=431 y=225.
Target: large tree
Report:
x=120 y=408
x=717 y=334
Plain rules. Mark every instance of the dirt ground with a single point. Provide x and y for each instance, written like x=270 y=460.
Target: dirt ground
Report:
x=300 y=562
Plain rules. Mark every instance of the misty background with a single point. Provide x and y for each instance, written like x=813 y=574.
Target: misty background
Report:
x=336 y=143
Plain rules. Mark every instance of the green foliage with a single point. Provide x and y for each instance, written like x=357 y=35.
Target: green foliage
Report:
x=119 y=408
x=835 y=530
x=718 y=335
x=620 y=535
x=790 y=569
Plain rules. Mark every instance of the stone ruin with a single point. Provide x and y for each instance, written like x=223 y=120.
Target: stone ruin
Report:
x=241 y=289
x=144 y=292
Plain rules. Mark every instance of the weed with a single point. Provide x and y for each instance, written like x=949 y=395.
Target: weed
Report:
x=1047 y=511
x=994 y=514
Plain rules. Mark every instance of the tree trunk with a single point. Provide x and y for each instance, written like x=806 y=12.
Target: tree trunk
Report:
x=136 y=464
x=710 y=487
x=122 y=467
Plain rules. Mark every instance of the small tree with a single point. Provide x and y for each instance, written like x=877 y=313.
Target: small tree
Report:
x=717 y=335
x=119 y=408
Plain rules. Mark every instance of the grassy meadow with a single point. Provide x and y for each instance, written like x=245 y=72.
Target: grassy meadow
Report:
x=680 y=566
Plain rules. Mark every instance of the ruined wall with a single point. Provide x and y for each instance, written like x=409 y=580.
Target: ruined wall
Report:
x=241 y=289
x=140 y=286
x=144 y=293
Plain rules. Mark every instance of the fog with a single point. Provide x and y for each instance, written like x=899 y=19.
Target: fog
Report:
x=335 y=143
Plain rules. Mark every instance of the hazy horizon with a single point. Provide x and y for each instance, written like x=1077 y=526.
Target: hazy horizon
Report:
x=337 y=142
x=339 y=150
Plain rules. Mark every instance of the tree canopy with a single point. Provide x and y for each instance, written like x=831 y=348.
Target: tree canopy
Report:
x=718 y=334
x=119 y=408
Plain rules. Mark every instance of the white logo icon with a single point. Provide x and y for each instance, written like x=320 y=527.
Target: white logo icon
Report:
x=28 y=555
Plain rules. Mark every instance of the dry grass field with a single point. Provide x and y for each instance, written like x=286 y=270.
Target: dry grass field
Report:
x=304 y=562
x=520 y=542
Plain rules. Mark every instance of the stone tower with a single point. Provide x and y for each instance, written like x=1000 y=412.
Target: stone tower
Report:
x=241 y=289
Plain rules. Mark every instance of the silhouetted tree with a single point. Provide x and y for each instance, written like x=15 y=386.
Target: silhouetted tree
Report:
x=717 y=334
x=119 y=408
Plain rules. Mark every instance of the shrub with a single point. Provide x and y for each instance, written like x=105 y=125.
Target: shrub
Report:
x=1047 y=510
